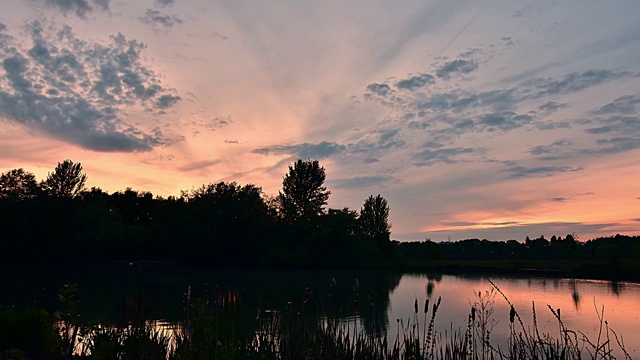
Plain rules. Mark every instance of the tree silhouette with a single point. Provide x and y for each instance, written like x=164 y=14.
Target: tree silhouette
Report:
x=67 y=180
x=302 y=194
x=374 y=218
x=374 y=224
x=18 y=184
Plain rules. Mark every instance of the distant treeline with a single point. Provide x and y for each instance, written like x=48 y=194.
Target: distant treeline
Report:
x=610 y=249
x=224 y=223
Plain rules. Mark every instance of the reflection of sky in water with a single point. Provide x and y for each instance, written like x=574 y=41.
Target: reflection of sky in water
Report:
x=121 y=295
x=575 y=298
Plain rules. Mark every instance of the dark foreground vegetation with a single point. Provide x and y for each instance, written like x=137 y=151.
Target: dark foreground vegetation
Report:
x=219 y=224
x=58 y=220
x=307 y=328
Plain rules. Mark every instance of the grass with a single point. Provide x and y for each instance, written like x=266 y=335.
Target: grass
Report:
x=210 y=331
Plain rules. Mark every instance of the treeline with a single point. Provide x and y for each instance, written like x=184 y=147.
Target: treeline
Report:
x=610 y=249
x=225 y=223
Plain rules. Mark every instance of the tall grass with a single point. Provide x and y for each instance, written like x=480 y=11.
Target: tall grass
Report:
x=211 y=330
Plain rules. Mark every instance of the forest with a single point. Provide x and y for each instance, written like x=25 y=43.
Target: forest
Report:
x=59 y=220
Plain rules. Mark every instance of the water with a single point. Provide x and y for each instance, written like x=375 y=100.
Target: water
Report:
x=375 y=300
x=580 y=302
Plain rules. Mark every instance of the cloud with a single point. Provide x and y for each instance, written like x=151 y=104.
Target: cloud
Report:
x=619 y=124
x=614 y=146
x=622 y=105
x=156 y=18
x=165 y=3
x=415 y=82
x=321 y=150
x=514 y=231
x=573 y=82
x=457 y=223
x=378 y=143
x=381 y=90
x=77 y=91
x=516 y=172
x=468 y=224
x=560 y=199
x=551 y=106
x=553 y=148
x=359 y=182
x=446 y=114
x=428 y=157
x=167 y=100
x=431 y=16
x=458 y=66
x=80 y=8
x=503 y=121
x=198 y=165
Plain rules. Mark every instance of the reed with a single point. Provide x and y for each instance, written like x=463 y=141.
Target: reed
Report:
x=210 y=330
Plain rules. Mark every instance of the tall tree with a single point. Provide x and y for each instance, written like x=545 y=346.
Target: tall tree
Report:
x=67 y=180
x=18 y=184
x=374 y=219
x=302 y=192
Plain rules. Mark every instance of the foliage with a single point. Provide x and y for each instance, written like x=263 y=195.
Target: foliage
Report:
x=302 y=194
x=225 y=223
x=27 y=333
x=611 y=250
x=374 y=217
x=18 y=184
x=374 y=222
x=66 y=180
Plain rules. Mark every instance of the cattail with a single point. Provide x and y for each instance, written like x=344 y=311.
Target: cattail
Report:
x=426 y=306
x=512 y=314
x=473 y=313
x=415 y=306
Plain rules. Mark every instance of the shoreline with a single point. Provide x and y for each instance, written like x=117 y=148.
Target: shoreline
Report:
x=586 y=269
x=594 y=270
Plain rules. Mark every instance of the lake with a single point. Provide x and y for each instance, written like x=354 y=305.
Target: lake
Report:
x=376 y=301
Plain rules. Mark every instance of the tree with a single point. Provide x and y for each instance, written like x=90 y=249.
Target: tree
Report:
x=18 y=184
x=375 y=227
x=67 y=180
x=302 y=194
x=374 y=218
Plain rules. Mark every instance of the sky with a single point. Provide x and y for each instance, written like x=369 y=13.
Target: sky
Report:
x=490 y=119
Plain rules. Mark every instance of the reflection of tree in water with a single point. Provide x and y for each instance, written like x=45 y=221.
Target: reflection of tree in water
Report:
x=575 y=295
x=430 y=287
x=374 y=307
x=131 y=294
x=432 y=279
x=306 y=295
x=616 y=287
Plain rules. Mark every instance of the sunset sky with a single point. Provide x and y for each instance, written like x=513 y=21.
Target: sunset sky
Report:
x=493 y=119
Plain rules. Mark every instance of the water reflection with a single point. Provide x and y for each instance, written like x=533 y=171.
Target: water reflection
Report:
x=575 y=295
x=365 y=300
x=617 y=287
x=457 y=291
